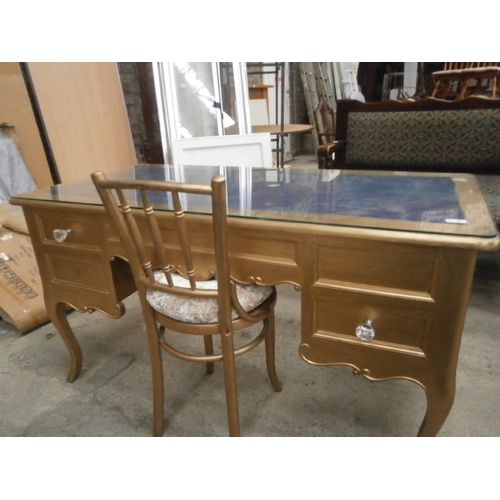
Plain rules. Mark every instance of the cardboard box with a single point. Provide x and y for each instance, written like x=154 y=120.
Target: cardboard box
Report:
x=21 y=296
x=12 y=217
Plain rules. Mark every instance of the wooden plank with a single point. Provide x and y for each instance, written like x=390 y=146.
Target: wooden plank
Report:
x=84 y=113
x=16 y=108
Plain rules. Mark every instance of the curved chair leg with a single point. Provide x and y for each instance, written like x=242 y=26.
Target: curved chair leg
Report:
x=270 y=353
x=209 y=350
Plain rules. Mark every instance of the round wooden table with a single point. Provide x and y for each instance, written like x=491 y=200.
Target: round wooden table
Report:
x=281 y=131
x=291 y=128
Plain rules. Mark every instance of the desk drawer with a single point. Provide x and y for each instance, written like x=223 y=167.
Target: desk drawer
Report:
x=394 y=266
x=400 y=324
x=80 y=259
x=81 y=267
x=84 y=232
x=82 y=270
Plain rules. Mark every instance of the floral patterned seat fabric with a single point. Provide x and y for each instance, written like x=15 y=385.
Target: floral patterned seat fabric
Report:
x=201 y=310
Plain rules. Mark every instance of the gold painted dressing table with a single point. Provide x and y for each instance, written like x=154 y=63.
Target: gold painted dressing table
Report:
x=384 y=261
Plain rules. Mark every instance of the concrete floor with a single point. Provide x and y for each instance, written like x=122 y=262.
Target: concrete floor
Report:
x=112 y=397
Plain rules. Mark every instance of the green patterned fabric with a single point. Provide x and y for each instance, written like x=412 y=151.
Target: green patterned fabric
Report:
x=490 y=188
x=456 y=139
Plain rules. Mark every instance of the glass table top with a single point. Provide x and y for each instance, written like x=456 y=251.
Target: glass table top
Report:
x=401 y=201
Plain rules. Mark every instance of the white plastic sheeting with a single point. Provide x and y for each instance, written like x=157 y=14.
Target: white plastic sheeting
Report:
x=15 y=177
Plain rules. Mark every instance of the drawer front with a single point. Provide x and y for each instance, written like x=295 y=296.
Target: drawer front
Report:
x=83 y=268
x=80 y=259
x=84 y=232
x=400 y=324
x=382 y=265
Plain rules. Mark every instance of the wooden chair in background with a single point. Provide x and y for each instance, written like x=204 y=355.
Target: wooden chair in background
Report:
x=187 y=289
x=483 y=79
x=459 y=80
x=324 y=123
x=447 y=82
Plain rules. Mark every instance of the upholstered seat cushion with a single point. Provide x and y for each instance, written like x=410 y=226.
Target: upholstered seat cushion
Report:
x=200 y=310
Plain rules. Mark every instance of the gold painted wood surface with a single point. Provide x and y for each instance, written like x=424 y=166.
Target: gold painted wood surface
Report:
x=413 y=286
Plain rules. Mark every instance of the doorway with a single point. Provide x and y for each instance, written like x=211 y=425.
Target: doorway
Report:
x=200 y=99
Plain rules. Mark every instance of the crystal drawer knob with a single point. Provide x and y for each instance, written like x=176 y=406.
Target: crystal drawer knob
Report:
x=60 y=235
x=365 y=331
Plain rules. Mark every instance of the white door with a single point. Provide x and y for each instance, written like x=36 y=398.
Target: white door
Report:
x=200 y=99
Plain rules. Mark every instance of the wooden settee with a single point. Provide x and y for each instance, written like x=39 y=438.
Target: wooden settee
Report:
x=431 y=135
x=425 y=135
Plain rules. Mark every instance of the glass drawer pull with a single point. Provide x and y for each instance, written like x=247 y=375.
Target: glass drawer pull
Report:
x=60 y=235
x=365 y=331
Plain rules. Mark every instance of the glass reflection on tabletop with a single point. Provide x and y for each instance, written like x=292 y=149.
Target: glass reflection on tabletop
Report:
x=435 y=203
x=305 y=193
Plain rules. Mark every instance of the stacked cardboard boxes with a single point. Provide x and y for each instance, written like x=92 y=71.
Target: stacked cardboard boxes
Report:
x=21 y=296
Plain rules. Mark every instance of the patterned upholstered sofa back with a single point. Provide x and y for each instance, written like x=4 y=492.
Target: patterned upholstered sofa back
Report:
x=427 y=135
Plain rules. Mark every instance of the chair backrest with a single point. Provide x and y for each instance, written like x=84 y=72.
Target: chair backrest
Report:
x=428 y=134
x=240 y=150
x=170 y=244
x=452 y=66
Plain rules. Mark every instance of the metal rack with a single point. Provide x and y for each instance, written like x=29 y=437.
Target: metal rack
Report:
x=278 y=69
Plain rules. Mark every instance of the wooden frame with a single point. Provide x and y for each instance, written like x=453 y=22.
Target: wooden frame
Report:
x=241 y=150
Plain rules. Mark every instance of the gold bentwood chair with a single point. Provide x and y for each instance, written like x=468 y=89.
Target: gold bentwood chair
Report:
x=185 y=289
